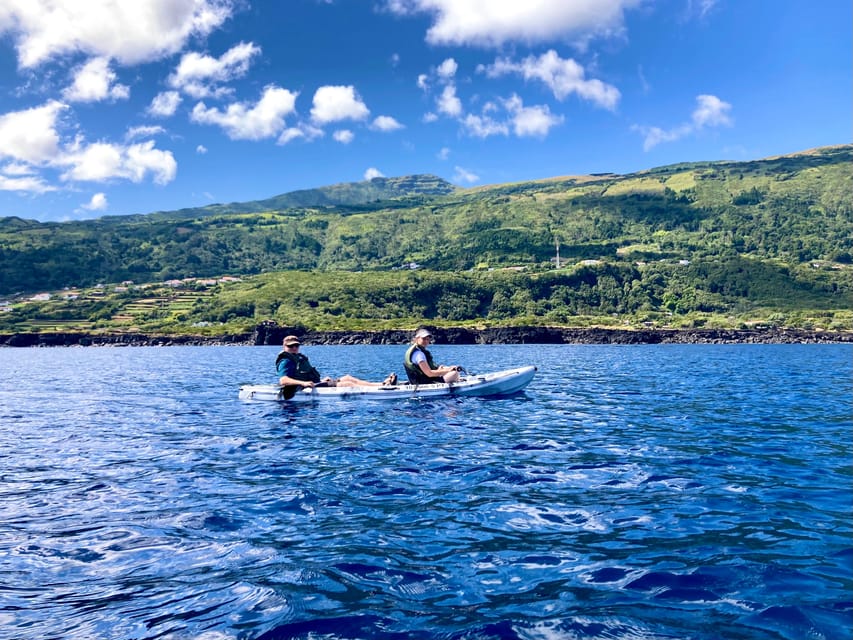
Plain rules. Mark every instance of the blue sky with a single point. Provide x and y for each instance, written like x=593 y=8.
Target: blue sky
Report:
x=110 y=107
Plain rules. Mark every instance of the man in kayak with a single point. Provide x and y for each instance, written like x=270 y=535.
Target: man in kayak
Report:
x=420 y=367
x=295 y=370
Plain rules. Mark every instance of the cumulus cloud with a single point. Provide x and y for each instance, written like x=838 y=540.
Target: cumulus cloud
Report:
x=448 y=103
x=510 y=116
x=95 y=81
x=385 y=123
x=201 y=149
x=200 y=75
x=483 y=126
x=128 y=32
x=531 y=121
x=241 y=121
x=302 y=131
x=31 y=136
x=372 y=173
x=165 y=104
x=26 y=184
x=17 y=176
x=344 y=136
x=101 y=161
x=336 y=103
x=17 y=169
x=494 y=23
x=32 y=141
x=710 y=111
x=443 y=153
x=563 y=76
x=447 y=69
x=97 y=203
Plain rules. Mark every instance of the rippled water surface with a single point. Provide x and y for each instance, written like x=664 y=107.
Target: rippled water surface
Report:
x=637 y=492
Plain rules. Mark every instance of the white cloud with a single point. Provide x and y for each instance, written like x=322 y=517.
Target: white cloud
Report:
x=372 y=173
x=30 y=136
x=483 y=126
x=386 y=123
x=335 y=103
x=17 y=169
x=447 y=69
x=344 y=136
x=143 y=132
x=448 y=103
x=531 y=121
x=463 y=175
x=710 y=112
x=95 y=81
x=201 y=149
x=32 y=141
x=240 y=121
x=303 y=131
x=128 y=32
x=423 y=81
x=165 y=104
x=97 y=203
x=103 y=161
x=443 y=153
x=18 y=176
x=495 y=22
x=198 y=75
x=562 y=76
x=290 y=134
x=27 y=184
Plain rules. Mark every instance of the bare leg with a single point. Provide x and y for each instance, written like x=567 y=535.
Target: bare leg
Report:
x=347 y=380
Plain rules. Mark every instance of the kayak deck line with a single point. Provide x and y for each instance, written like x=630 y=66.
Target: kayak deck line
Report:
x=498 y=383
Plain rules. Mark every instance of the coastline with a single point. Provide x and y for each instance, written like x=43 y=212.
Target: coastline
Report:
x=268 y=333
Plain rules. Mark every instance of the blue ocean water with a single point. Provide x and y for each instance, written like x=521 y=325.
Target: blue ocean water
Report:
x=642 y=492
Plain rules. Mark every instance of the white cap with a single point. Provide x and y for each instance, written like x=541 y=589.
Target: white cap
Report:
x=423 y=333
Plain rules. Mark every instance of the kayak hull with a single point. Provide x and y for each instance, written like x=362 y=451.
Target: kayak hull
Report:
x=498 y=383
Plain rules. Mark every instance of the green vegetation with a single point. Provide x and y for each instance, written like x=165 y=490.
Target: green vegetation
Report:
x=721 y=244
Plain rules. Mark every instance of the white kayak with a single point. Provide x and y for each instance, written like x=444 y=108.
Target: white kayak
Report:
x=498 y=383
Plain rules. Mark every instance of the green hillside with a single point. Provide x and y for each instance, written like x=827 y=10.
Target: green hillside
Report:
x=721 y=242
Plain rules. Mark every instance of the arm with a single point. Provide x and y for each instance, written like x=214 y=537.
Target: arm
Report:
x=288 y=381
x=435 y=373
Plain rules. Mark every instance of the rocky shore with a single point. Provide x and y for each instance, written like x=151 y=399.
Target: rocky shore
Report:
x=269 y=333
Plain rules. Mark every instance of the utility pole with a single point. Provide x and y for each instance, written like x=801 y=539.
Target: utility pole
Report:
x=557 y=242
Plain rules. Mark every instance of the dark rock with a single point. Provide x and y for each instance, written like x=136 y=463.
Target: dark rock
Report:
x=270 y=333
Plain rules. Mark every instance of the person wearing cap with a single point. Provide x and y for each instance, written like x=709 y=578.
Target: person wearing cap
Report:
x=295 y=370
x=421 y=368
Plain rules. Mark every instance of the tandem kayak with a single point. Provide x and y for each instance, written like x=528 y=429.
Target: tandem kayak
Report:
x=498 y=383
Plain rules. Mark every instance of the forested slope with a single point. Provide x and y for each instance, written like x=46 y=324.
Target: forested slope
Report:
x=728 y=238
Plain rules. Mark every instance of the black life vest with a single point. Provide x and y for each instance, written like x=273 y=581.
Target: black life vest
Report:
x=413 y=371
